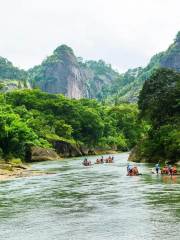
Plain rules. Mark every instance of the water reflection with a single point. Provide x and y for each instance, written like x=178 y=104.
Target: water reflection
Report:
x=169 y=179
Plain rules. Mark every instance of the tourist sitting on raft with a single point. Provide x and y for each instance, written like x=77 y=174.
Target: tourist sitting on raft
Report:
x=109 y=159
x=86 y=162
x=169 y=170
x=101 y=160
x=174 y=170
x=98 y=161
x=165 y=170
x=132 y=170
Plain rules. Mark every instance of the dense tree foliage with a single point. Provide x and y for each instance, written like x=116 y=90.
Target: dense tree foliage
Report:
x=32 y=117
x=159 y=104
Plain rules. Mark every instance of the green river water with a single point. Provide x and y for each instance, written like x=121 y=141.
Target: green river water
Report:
x=90 y=203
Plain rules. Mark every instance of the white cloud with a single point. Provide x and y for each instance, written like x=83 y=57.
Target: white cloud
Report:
x=125 y=33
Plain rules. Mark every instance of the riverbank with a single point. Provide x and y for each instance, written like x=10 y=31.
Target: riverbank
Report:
x=137 y=155
x=11 y=171
x=64 y=150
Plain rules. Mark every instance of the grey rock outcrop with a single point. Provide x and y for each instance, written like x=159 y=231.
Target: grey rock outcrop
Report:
x=60 y=73
x=42 y=154
x=66 y=149
x=171 y=58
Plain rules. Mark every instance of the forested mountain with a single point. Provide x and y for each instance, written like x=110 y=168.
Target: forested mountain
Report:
x=63 y=72
x=128 y=86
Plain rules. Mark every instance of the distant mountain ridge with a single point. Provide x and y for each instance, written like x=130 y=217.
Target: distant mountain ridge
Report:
x=63 y=72
x=129 y=84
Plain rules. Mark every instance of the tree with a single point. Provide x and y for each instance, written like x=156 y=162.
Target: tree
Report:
x=159 y=104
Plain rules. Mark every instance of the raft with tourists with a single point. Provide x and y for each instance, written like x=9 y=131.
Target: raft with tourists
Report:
x=132 y=170
x=101 y=160
x=165 y=170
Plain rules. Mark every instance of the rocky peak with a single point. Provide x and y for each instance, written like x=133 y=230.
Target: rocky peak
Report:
x=62 y=50
x=60 y=73
x=65 y=54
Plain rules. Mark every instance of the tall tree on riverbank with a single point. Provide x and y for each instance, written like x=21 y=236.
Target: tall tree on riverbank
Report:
x=159 y=104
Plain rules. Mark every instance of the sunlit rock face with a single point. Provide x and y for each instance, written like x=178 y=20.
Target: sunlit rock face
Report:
x=75 y=84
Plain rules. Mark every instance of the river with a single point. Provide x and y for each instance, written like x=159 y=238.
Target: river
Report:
x=90 y=203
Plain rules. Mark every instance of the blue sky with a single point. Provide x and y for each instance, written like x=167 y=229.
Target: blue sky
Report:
x=125 y=33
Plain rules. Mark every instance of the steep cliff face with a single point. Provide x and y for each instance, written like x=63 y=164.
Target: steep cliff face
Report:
x=59 y=73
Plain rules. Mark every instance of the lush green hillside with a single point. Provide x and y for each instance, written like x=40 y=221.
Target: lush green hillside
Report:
x=33 y=118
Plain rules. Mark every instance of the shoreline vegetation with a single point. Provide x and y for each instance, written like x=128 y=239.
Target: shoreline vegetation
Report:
x=37 y=126
x=159 y=103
